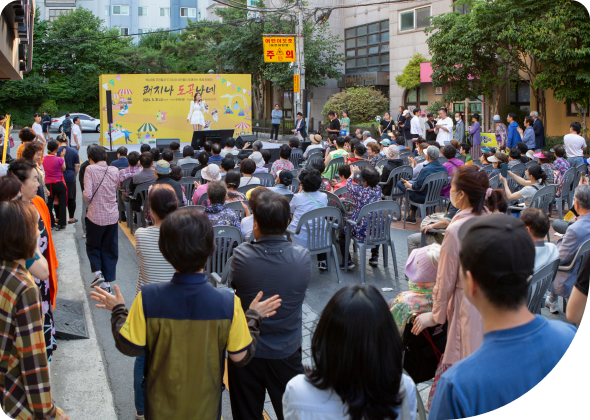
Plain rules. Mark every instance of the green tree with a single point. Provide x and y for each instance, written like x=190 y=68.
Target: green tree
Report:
x=410 y=77
x=363 y=104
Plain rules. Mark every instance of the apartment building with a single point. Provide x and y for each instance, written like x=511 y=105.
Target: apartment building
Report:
x=16 y=39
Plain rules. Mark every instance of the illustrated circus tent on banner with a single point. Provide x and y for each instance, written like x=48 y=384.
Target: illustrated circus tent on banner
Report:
x=242 y=125
x=147 y=127
x=125 y=92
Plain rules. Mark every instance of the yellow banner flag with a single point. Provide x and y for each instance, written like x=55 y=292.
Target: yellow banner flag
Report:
x=6 y=139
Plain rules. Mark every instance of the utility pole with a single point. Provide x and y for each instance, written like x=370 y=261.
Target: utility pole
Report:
x=300 y=59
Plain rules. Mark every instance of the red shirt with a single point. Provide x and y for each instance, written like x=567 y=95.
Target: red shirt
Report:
x=52 y=166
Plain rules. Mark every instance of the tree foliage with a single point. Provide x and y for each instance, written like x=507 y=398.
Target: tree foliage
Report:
x=361 y=103
x=410 y=77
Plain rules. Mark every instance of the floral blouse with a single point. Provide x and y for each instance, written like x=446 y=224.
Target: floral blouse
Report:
x=373 y=161
x=280 y=165
x=561 y=166
x=360 y=197
x=501 y=134
x=222 y=216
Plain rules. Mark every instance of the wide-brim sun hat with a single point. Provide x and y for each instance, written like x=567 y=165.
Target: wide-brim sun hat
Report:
x=497 y=119
x=492 y=159
x=540 y=155
x=211 y=173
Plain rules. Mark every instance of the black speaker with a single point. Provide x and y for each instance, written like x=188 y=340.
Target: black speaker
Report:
x=304 y=95
x=162 y=144
x=111 y=156
x=109 y=107
x=240 y=141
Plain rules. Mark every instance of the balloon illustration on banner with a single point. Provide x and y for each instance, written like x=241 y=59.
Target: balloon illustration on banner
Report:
x=152 y=106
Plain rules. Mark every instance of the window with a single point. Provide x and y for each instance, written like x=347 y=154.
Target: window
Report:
x=412 y=98
x=141 y=31
x=520 y=95
x=164 y=11
x=367 y=47
x=572 y=111
x=107 y=10
x=464 y=9
x=120 y=10
x=414 y=19
x=142 y=11
x=188 y=12
x=54 y=13
x=124 y=31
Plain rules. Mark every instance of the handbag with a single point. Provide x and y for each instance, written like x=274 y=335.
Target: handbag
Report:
x=423 y=352
x=433 y=218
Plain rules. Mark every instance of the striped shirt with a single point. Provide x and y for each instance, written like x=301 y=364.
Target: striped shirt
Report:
x=25 y=391
x=103 y=210
x=153 y=267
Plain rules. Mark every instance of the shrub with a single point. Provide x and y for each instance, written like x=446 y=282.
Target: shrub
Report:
x=50 y=106
x=361 y=103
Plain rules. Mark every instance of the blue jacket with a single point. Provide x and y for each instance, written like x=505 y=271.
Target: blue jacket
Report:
x=539 y=134
x=120 y=163
x=276 y=116
x=428 y=169
x=513 y=135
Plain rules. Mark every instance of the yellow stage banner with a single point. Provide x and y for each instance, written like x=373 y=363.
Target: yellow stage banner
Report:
x=279 y=49
x=151 y=106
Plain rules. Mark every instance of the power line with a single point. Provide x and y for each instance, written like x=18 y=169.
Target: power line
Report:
x=240 y=6
x=365 y=4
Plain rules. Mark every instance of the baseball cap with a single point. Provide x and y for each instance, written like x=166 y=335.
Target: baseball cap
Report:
x=163 y=167
x=481 y=237
x=385 y=142
x=492 y=159
x=530 y=154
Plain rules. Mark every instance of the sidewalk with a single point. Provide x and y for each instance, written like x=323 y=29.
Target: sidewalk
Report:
x=78 y=380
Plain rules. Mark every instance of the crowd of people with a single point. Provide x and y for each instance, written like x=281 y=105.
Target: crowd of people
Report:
x=184 y=333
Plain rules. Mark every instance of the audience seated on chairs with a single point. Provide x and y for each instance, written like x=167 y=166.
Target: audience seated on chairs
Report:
x=230 y=147
x=232 y=182
x=277 y=267
x=216 y=211
x=215 y=153
x=544 y=158
x=147 y=174
x=561 y=166
x=365 y=191
x=247 y=168
x=432 y=167
x=316 y=143
x=176 y=175
x=576 y=234
x=393 y=162
x=267 y=156
x=359 y=151
x=167 y=155
x=343 y=174
x=577 y=301
x=536 y=179
x=497 y=160
x=188 y=154
x=203 y=159
x=451 y=165
x=537 y=225
x=520 y=349
x=283 y=181
x=258 y=160
x=283 y=162
x=247 y=222
x=133 y=168
x=465 y=328
x=175 y=147
x=227 y=164
x=163 y=175
x=164 y=313
x=339 y=152
x=374 y=153
x=417 y=166
x=121 y=162
x=464 y=150
x=496 y=201
x=522 y=147
x=485 y=155
x=384 y=144
x=207 y=148
x=514 y=157
x=355 y=325
x=310 y=198
x=209 y=174
x=156 y=154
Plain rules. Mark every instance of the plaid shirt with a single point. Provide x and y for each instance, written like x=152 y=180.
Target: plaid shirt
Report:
x=24 y=374
x=103 y=210
x=126 y=174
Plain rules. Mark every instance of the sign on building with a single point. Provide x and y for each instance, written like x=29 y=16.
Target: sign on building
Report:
x=296 y=87
x=279 y=49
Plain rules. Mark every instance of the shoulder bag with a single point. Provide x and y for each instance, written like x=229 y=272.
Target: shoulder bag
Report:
x=95 y=191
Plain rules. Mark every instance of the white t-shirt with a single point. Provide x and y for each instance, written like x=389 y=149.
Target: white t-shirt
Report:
x=574 y=145
x=248 y=181
x=38 y=129
x=416 y=126
x=443 y=135
x=77 y=132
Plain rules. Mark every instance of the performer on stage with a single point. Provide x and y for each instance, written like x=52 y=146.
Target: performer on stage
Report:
x=195 y=115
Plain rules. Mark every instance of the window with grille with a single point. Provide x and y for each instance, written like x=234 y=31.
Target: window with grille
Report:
x=367 y=47
x=188 y=12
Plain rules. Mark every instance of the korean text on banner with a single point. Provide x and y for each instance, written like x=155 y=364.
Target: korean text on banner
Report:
x=296 y=83
x=279 y=49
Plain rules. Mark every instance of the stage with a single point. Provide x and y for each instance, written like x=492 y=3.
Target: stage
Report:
x=136 y=147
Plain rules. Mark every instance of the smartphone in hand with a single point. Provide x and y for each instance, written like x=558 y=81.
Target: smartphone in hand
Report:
x=504 y=169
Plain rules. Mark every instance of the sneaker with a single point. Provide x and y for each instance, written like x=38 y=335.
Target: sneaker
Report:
x=411 y=220
x=98 y=280
x=553 y=308
x=106 y=289
x=58 y=228
x=139 y=416
x=322 y=265
x=350 y=264
x=551 y=303
x=374 y=261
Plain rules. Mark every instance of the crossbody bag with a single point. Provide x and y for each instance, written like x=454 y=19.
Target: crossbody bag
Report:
x=95 y=191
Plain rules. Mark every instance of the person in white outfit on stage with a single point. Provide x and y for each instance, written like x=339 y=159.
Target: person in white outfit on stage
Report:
x=195 y=115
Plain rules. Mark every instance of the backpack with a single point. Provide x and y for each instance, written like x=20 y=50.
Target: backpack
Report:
x=67 y=125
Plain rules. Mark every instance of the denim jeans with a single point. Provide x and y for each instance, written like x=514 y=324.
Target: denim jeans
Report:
x=138 y=385
x=413 y=196
x=575 y=161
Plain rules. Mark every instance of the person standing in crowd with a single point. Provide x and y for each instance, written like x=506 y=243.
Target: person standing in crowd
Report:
x=334 y=127
x=574 y=145
x=26 y=135
x=4 y=137
x=153 y=267
x=76 y=133
x=38 y=129
x=501 y=131
x=283 y=163
x=300 y=126
x=121 y=162
x=72 y=160
x=367 y=192
x=443 y=127
x=519 y=349
x=539 y=131
x=407 y=126
x=54 y=167
x=576 y=304
x=416 y=127
x=25 y=173
x=528 y=135
x=355 y=325
x=162 y=318
x=33 y=154
x=430 y=127
x=475 y=131
x=232 y=182
x=25 y=370
x=345 y=122
x=277 y=267
x=513 y=137
x=459 y=134
x=465 y=329
x=102 y=240
x=46 y=122
x=433 y=166
x=385 y=125
x=276 y=116
x=537 y=225
x=66 y=127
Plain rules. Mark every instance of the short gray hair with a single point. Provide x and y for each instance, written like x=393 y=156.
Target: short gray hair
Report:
x=534 y=114
x=432 y=152
x=216 y=192
x=257 y=146
x=582 y=196
x=366 y=134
